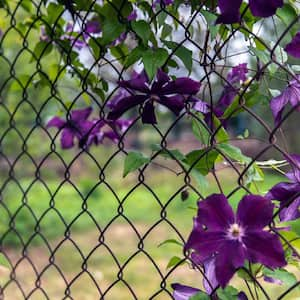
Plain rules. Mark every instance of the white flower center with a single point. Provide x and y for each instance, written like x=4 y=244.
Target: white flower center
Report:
x=235 y=232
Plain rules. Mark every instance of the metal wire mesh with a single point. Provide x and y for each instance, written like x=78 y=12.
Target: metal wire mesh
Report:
x=93 y=242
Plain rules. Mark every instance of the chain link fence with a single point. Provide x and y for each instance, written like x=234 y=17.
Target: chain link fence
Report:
x=72 y=225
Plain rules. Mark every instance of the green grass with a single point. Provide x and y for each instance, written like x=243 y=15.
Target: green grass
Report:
x=55 y=208
x=140 y=207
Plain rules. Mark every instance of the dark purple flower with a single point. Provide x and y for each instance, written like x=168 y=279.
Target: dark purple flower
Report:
x=288 y=193
x=112 y=103
x=231 y=238
x=230 y=10
x=272 y=280
x=164 y=2
x=81 y=38
x=77 y=126
x=111 y=130
x=293 y=48
x=132 y=16
x=163 y=90
x=92 y=26
x=290 y=94
x=210 y=282
x=183 y=292
x=234 y=78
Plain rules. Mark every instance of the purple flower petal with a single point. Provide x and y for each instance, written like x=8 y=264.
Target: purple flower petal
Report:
x=183 y=292
x=242 y=296
x=112 y=103
x=162 y=79
x=290 y=94
x=67 y=138
x=231 y=257
x=56 y=122
x=230 y=11
x=263 y=8
x=132 y=16
x=148 y=115
x=174 y=103
x=286 y=192
x=238 y=73
x=125 y=104
x=78 y=115
x=183 y=86
x=283 y=191
x=200 y=106
x=123 y=124
x=254 y=212
x=210 y=282
x=92 y=26
x=215 y=213
x=138 y=83
x=292 y=212
x=277 y=105
x=294 y=160
x=265 y=248
x=272 y=280
x=203 y=242
x=293 y=48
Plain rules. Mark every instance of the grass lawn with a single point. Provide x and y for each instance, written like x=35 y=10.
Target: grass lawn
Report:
x=74 y=219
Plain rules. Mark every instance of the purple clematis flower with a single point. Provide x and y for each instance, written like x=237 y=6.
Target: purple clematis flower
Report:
x=184 y=292
x=77 y=126
x=231 y=238
x=234 y=78
x=290 y=94
x=163 y=90
x=164 y=2
x=111 y=130
x=230 y=10
x=293 y=48
x=288 y=193
x=81 y=40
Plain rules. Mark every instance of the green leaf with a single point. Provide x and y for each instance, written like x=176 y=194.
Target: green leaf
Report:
x=133 y=161
x=175 y=260
x=200 y=131
x=286 y=13
x=201 y=181
x=167 y=29
x=255 y=269
x=233 y=152
x=54 y=11
x=184 y=54
x=229 y=293
x=170 y=241
x=200 y=296
x=134 y=56
x=211 y=23
x=281 y=274
x=41 y=49
x=120 y=52
x=153 y=59
x=111 y=30
x=254 y=174
x=168 y=153
x=202 y=160
x=3 y=261
x=221 y=135
x=142 y=29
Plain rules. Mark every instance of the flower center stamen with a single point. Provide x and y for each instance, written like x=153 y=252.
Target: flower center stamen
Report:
x=235 y=231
